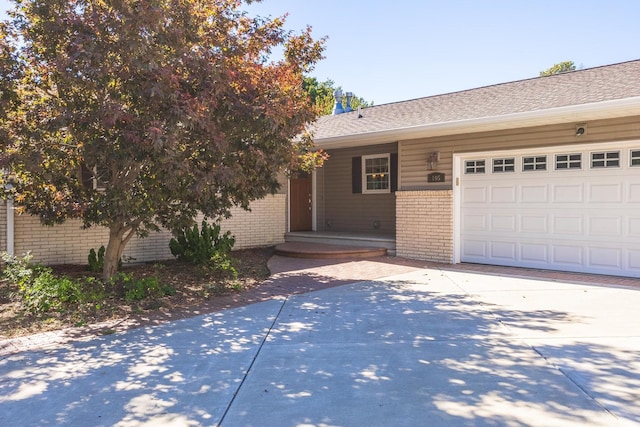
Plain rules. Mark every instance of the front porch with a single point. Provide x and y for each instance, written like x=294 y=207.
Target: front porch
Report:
x=313 y=244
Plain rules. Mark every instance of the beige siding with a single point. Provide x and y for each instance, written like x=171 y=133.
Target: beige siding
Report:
x=424 y=228
x=320 y=198
x=413 y=153
x=68 y=243
x=341 y=210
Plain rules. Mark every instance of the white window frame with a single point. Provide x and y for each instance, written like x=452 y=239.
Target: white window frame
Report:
x=634 y=155
x=605 y=159
x=537 y=163
x=365 y=190
x=472 y=167
x=569 y=161
x=503 y=165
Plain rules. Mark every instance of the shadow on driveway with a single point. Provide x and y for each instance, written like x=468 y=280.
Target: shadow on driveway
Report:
x=422 y=348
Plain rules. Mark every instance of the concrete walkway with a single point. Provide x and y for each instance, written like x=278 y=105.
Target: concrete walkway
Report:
x=426 y=347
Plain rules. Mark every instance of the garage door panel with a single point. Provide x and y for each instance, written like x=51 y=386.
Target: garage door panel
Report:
x=605 y=193
x=534 y=193
x=602 y=257
x=475 y=249
x=534 y=224
x=474 y=223
x=504 y=194
x=568 y=225
x=504 y=251
x=633 y=260
x=568 y=255
x=571 y=193
x=605 y=226
x=503 y=223
x=476 y=194
x=534 y=252
x=633 y=193
x=634 y=227
x=585 y=219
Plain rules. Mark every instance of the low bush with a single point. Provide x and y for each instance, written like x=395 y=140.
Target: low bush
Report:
x=96 y=260
x=205 y=246
x=38 y=288
x=134 y=289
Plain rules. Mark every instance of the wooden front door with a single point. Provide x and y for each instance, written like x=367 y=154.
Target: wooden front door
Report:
x=300 y=201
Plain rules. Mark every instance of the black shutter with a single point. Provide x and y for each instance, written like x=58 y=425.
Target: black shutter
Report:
x=356 y=175
x=394 y=172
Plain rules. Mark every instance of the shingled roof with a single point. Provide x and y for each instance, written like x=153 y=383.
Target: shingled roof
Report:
x=598 y=88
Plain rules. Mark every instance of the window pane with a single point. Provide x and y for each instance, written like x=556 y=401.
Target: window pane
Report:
x=474 y=166
x=609 y=159
x=376 y=171
x=569 y=161
x=537 y=163
x=504 y=165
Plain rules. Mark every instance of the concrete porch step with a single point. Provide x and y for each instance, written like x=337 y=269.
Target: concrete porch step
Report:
x=344 y=239
x=325 y=251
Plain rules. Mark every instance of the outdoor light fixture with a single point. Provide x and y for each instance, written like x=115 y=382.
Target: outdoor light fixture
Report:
x=581 y=129
x=432 y=160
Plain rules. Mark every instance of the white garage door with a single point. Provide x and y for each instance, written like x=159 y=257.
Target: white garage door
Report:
x=562 y=208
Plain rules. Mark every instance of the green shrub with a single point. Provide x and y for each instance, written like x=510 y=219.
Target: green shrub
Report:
x=201 y=247
x=49 y=292
x=96 y=261
x=40 y=290
x=20 y=270
x=138 y=289
x=222 y=262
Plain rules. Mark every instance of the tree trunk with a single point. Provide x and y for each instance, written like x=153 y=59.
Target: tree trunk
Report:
x=113 y=252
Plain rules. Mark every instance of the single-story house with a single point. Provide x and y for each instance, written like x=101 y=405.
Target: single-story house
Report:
x=541 y=173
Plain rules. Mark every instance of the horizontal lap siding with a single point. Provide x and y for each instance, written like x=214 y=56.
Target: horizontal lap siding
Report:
x=69 y=243
x=320 y=198
x=341 y=210
x=413 y=153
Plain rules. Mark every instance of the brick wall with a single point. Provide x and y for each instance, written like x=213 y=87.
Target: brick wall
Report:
x=424 y=225
x=265 y=225
x=68 y=243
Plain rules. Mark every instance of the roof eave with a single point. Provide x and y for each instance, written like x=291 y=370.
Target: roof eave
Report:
x=574 y=113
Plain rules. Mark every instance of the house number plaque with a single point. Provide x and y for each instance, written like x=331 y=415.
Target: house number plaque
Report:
x=435 y=177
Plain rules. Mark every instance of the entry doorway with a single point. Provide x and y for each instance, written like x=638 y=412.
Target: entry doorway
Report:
x=301 y=203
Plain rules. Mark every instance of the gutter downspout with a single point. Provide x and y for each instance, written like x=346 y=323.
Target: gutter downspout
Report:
x=10 y=227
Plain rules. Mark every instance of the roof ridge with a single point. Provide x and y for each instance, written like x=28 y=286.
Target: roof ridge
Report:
x=462 y=91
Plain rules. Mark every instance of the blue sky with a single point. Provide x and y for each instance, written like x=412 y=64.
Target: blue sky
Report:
x=388 y=51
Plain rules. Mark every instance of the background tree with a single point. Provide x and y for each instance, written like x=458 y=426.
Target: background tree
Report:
x=139 y=113
x=559 y=68
x=10 y=73
x=321 y=95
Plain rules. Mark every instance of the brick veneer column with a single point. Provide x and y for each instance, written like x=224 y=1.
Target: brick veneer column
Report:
x=424 y=225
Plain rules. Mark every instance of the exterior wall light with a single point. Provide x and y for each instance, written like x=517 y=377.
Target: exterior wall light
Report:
x=581 y=129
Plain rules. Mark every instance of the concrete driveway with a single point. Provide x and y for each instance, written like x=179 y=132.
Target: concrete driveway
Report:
x=425 y=348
